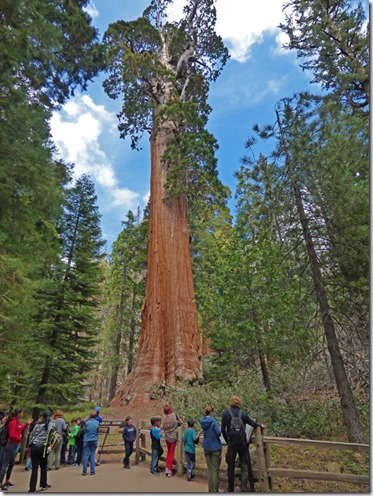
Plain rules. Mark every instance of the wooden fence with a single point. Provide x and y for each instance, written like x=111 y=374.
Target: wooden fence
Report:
x=264 y=473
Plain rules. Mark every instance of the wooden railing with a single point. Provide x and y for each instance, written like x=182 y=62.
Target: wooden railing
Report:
x=264 y=473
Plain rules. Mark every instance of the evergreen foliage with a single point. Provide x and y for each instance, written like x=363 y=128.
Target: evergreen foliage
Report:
x=66 y=322
x=124 y=293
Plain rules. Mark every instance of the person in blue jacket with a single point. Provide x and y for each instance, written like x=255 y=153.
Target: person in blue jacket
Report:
x=90 y=443
x=212 y=447
x=129 y=437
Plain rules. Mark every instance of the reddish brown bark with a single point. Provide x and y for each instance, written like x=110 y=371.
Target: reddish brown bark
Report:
x=170 y=344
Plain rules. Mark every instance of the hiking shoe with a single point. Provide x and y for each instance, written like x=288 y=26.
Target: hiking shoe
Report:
x=154 y=474
x=189 y=475
x=74 y=465
x=9 y=484
x=84 y=473
x=4 y=487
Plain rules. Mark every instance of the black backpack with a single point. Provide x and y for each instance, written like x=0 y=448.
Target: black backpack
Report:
x=237 y=430
x=4 y=435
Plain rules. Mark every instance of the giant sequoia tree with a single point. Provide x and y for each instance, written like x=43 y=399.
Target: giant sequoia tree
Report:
x=162 y=71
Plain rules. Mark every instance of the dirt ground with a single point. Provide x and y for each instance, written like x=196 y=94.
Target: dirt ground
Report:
x=109 y=478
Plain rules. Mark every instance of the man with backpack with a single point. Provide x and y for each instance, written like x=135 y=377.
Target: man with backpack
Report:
x=233 y=428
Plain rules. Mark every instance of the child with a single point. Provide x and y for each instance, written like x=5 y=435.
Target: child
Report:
x=157 y=450
x=129 y=436
x=79 y=443
x=190 y=440
x=72 y=441
x=28 y=460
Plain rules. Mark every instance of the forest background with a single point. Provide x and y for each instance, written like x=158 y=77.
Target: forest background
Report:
x=281 y=289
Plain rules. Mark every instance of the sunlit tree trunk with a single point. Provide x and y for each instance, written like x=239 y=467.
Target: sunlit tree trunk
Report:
x=170 y=345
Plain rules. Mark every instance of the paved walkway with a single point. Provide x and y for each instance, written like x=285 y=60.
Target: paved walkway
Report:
x=109 y=478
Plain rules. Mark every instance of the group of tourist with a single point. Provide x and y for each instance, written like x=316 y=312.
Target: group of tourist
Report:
x=48 y=442
x=50 y=439
x=233 y=430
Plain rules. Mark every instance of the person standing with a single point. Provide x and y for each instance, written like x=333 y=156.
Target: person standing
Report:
x=41 y=443
x=15 y=431
x=90 y=443
x=157 y=450
x=212 y=447
x=54 y=457
x=3 y=435
x=72 y=441
x=79 y=444
x=170 y=425
x=190 y=440
x=233 y=427
x=129 y=437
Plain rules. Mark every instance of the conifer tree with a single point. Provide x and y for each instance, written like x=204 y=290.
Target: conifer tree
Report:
x=162 y=70
x=67 y=320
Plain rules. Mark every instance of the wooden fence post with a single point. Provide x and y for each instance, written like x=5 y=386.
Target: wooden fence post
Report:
x=143 y=440
x=263 y=475
x=179 y=452
x=137 y=447
x=24 y=442
x=267 y=458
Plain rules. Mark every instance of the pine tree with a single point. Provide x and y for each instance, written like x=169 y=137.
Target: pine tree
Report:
x=334 y=37
x=67 y=320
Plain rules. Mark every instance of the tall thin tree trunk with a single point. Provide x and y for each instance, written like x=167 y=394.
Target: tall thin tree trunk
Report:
x=131 y=344
x=170 y=347
x=262 y=357
x=351 y=416
x=118 y=341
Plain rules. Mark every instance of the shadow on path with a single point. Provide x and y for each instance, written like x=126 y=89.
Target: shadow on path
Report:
x=109 y=478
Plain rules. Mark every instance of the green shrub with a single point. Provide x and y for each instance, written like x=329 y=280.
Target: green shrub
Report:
x=315 y=419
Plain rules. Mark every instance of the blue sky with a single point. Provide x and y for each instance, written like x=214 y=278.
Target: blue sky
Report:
x=258 y=74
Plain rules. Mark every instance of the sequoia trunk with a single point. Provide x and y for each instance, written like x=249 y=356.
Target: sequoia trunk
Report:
x=170 y=345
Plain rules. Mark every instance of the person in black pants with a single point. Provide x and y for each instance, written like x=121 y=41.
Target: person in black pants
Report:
x=79 y=443
x=237 y=446
x=40 y=446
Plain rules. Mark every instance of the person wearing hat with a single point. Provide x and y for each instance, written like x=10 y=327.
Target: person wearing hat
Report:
x=237 y=443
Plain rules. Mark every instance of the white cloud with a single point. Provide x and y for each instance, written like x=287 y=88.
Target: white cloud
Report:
x=91 y=10
x=76 y=131
x=241 y=23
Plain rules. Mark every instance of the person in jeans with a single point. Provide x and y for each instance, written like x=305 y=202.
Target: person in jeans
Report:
x=212 y=448
x=15 y=431
x=54 y=457
x=190 y=440
x=157 y=450
x=90 y=443
x=72 y=441
x=240 y=449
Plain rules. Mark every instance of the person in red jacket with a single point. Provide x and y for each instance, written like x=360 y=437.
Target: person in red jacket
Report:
x=15 y=430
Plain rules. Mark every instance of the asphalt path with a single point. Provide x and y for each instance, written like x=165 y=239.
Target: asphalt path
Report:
x=109 y=478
